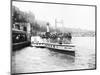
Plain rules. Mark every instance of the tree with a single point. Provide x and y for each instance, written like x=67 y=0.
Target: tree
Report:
x=20 y=16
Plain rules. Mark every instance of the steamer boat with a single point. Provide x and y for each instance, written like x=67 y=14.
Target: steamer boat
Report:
x=54 y=41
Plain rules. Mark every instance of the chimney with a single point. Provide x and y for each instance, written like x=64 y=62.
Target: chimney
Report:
x=48 y=27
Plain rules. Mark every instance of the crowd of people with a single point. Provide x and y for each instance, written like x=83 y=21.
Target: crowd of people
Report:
x=58 y=37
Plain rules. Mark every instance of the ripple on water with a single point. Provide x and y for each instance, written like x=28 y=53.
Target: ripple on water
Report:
x=33 y=59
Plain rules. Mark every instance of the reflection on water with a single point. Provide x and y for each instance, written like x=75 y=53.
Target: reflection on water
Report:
x=85 y=52
x=33 y=59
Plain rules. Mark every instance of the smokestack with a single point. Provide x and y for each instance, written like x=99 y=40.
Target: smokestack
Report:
x=48 y=27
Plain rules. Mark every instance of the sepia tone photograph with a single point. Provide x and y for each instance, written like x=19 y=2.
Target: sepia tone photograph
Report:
x=52 y=37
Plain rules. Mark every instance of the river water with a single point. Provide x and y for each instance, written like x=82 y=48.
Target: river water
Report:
x=31 y=59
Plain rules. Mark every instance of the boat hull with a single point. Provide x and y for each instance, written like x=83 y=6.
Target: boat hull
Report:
x=64 y=48
x=69 y=52
x=72 y=53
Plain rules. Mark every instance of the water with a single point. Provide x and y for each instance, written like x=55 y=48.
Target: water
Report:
x=33 y=59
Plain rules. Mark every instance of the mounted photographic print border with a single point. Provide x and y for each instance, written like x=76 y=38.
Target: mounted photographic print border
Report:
x=63 y=70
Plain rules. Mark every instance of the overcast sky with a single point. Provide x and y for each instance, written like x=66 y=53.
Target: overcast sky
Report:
x=82 y=17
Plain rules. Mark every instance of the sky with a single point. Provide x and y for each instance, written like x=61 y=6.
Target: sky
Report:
x=72 y=16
